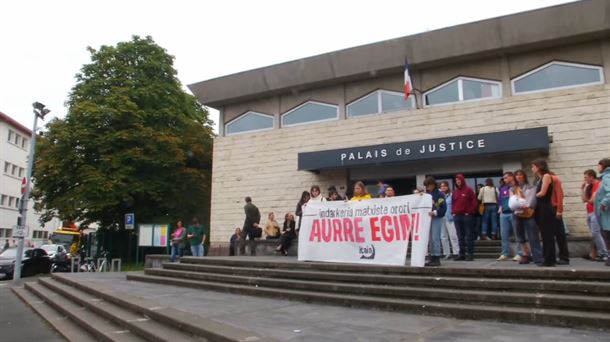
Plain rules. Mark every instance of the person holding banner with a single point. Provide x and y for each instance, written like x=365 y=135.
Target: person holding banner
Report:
x=464 y=206
x=360 y=192
x=437 y=214
x=305 y=196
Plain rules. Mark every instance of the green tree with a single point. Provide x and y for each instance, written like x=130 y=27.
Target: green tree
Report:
x=132 y=141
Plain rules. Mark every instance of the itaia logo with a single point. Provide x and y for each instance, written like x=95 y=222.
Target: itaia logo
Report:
x=367 y=252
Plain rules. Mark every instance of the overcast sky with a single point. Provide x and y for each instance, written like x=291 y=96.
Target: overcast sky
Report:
x=43 y=43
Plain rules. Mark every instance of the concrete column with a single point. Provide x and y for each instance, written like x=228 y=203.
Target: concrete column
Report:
x=505 y=72
x=221 y=122
x=606 y=58
x=341 y=103
x=278 y=112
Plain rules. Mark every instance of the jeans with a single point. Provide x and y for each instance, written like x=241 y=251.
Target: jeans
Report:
x=448 y=234
x=464 y=225
x=490 y=213
x=507 y=227
x=527 y=230
x=177 y=250
x=596 y=234
x=436 y=226
x=197 y=250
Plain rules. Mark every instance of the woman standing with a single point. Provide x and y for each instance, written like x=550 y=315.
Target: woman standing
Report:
x=449 y=234
x=525 y=222
x=316 y=194
x=488 y=195
x=288 y=234
x=305 y=196
x=272 y=228
x=178 y=237
x=360 y=192
x=546 y=215
x=602 y=200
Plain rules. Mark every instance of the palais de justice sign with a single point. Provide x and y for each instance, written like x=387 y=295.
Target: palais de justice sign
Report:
x=532 y=139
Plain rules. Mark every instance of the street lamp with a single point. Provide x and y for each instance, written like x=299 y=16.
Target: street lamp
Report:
x=40 y=111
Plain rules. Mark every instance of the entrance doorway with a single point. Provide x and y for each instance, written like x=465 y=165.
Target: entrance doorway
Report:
x=473 y=179
x=402 y=186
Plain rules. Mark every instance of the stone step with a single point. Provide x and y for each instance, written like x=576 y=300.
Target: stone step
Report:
x=139 y=324
x=579 y=287
x=95 y=324
x=529 y=299
x=557 y=273
x=58 y=321
x=527 y=315
x=186 y=322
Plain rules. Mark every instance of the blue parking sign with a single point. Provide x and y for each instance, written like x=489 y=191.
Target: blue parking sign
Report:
x=130 y=220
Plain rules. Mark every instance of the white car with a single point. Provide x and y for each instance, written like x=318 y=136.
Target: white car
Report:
x=53 y=249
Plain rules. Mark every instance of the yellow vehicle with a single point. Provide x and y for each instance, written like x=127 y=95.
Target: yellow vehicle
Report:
x=69 y=237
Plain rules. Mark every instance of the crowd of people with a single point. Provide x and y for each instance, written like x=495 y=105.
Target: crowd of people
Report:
x=529 y=212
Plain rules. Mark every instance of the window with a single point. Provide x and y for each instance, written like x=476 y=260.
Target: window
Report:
x=17 y=139
x=7 y=167
x=249 y=122
x=310 y=112
x=16 y=202
x=14 y=170
x=21 y=170
x=24 y=143
x=10 y=201
x=3 y=199
x=463 y=89
x=10 y=135
x=557 y=75
x=380 y=101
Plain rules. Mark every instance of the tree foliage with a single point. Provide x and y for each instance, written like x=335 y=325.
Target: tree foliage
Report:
x=132 y=141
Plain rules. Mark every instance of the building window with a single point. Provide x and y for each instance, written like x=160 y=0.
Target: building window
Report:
x=310 y=112
x=249 y=122
x=463 y=89
x=380 y=101
x=10 y=135
x=558 y=75
x=21 y=170
x=14 y=170
x=3 y=199
x=24 y=143
x=17 y=202
x=10 y=201
x=7 y=167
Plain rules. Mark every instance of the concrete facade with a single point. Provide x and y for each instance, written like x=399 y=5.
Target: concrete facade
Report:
x=264 y=164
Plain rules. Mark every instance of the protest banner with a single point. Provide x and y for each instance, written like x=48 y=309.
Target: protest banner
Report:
x=376 y=231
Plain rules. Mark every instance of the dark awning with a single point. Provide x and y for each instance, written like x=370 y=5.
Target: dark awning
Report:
x=522 y=140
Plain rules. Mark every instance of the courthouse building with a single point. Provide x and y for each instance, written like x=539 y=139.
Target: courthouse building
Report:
x=490 y=96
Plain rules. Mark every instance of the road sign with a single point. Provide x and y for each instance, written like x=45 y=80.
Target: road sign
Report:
x=130 y=220
x=20 y=231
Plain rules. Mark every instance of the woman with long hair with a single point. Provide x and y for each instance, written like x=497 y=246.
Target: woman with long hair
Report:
x=316 y=194
x=546 y=214
x=360 y=192
x=305 y=196
x=272 y=227
x=178 y=238
x=288 y=234
x=449 y=234
x=525 y=222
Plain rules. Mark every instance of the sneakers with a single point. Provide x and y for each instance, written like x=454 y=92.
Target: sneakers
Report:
x=517 y=258
x=469 y=258
x=459 y=258
x=449 y=257
x=503 y=258
x=601 y=258
x=563 y=262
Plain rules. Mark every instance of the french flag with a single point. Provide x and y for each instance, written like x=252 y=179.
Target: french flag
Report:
x=408 y=82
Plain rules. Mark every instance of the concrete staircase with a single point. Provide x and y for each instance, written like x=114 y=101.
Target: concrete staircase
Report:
x=561 y=297
x=81 y=311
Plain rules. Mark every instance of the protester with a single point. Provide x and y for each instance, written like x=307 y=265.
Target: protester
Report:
x=288 y=234
x=488 y=195
x=178 y=238
x=381 y=188
x=437 y=214
x=305 y=196
x=251 y=227
x=360 y=192
x=448 y=233
x=464 y=206
x=557 y=200
x=602 y=200
x=525 y=221
x=390 y=192
x=333 y=194
x=589 y=188
x=234 y=240
x=316 y=194
x=196 y=236
x=507 y=226
x=547 y=216
x=478 y=214
x=272 y=227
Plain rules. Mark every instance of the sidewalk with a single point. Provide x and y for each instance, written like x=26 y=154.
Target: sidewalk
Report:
x=18 y=322
x=297 y=321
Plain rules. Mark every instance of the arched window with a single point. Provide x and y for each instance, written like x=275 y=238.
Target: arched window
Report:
x=557 y=75
x=310 y=112
x=380 y=101
x=249 y=122
x=463 y=89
